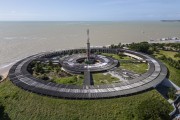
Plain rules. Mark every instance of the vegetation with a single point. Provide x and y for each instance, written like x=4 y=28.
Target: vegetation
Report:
x=152 y=109
x=23 y=105
x=149 y=48
x=139 y=68
x=53 y=73
x=116 y=46
x=1 y=77
x=141 y=47
x=170 y=61
x=74 y=80
x=171 y=93
x=174 y=73
x=165 y=46
x=17 y=104
x=171 y=46
x=118 y=57
x=170 y=54
x=3 y=114
x=177 y=55
x=100 y=78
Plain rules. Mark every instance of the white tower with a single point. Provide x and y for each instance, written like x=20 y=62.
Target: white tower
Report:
x=88 y=47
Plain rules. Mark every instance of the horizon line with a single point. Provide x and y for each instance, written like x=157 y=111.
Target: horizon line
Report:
x=73 y=20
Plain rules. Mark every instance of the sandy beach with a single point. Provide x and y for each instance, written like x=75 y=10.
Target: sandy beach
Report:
x=4 y=72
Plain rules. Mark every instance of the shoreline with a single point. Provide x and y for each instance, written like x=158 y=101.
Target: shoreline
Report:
x=5 y=70
x=164 y=41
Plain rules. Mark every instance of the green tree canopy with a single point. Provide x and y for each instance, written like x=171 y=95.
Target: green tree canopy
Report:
x=140 y=47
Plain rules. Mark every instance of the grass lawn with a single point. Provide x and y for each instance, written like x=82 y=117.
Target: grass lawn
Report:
x=169 y=54
x=174 y=74
x=100 y=78
x=73 y=80
x=23 y=105
x=135 y=67
x=117 y=57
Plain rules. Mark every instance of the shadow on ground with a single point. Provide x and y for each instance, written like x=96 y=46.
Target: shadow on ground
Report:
x=3 y=115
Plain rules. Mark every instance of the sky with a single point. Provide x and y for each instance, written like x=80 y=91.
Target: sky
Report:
x=88 y=10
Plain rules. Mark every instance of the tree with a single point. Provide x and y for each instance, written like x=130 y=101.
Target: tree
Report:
x=50 y=63
x=112 y=46
x=1 y=77
x=38 y=68
x=141 y=47
x=120 y=45
x=163 y=57
x=152 y=109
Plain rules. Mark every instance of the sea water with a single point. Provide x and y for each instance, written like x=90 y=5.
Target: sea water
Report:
x=21 y=39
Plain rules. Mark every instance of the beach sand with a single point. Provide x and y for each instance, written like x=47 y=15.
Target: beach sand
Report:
x=4 y=72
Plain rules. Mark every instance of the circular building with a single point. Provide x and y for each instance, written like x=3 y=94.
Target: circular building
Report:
x=76 y=63
x=21 y=77
x=86 y=62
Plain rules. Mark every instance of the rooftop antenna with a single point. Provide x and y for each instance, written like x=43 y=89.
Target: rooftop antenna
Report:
x=88 y=46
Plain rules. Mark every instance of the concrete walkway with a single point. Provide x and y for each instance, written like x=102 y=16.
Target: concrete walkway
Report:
x=175 y=103
x=169 y=83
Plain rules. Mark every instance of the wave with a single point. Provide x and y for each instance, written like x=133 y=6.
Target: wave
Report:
x=8 y=65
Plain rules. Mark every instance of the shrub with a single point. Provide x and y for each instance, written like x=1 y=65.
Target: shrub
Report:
x=1 y=77
x=177 y=55
x=171 y=93
x=44 y=77
x=3 y=115
x=152 y=109
x=163 y=57
x=80 y=77
x=75 y=78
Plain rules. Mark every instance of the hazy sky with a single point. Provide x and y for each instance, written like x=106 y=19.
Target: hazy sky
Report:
x=88 y=10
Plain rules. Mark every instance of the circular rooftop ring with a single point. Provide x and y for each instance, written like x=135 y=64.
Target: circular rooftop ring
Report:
x=156 y=73
x=72 y=65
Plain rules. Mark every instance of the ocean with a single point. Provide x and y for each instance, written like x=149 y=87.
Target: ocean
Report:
x=21 y=39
